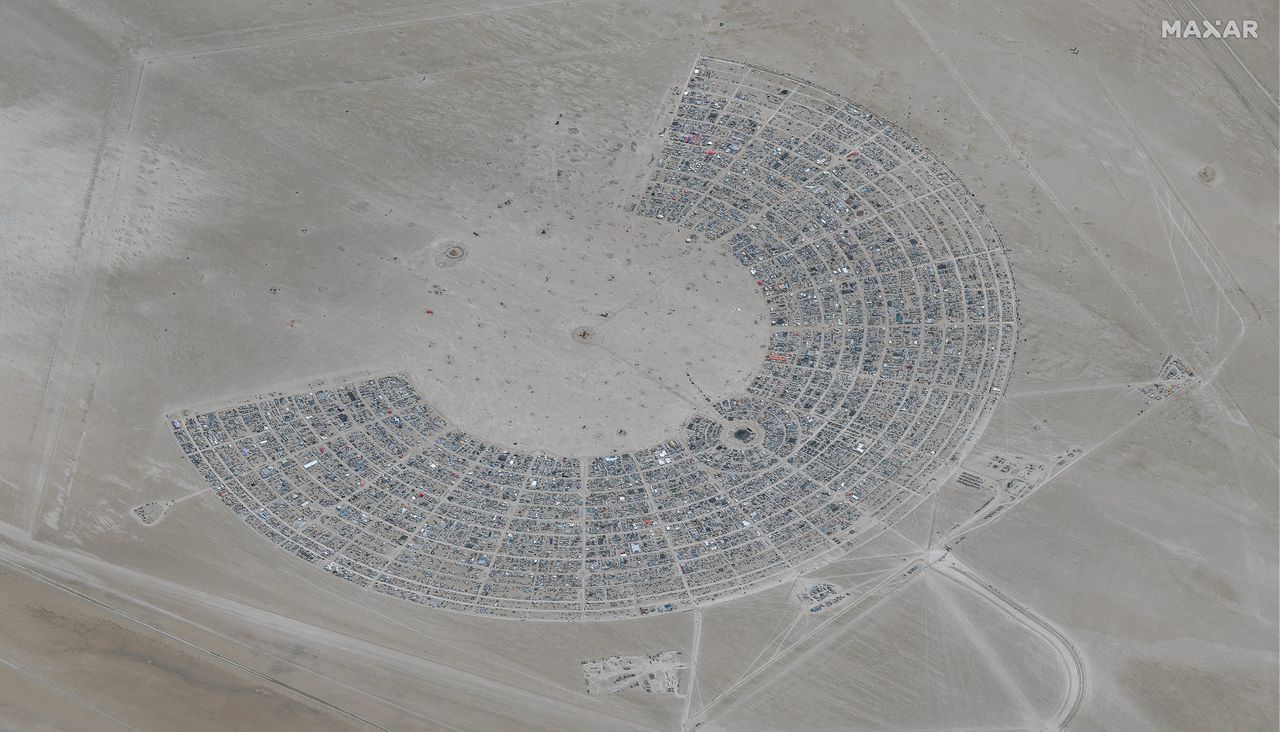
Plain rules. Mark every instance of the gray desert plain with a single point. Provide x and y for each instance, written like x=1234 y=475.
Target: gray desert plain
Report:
x=588 y=365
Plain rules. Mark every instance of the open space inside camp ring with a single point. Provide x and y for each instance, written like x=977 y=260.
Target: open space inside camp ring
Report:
x=892 y=328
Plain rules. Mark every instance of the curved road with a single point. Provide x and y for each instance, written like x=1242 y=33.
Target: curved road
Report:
x=955 y=571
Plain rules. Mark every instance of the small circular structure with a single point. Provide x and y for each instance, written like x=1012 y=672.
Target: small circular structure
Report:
x=450 y=253
x=1207 y=175
x=746 y=435
x=583 y=334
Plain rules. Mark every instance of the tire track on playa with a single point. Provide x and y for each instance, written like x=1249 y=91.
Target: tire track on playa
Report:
x=969 y=528
x=696 y=644
x=962 y=619
x=1171 y=193
x=60 y=691
x=92 y=572
x=1070 y=220
x=955 y=571
x=45 y=579
x=242 y=39
x=94 y=227
x=1067 y=651
x=55 y=400
x=1265 y=109
x=97 y=223
x=883 y=585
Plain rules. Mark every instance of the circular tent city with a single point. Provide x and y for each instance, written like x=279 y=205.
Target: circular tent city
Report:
x=892 y=327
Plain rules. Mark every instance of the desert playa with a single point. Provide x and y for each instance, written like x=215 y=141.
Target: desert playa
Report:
x=637 y=366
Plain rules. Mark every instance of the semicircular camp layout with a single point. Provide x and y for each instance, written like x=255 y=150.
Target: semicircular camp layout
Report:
x=893 y=323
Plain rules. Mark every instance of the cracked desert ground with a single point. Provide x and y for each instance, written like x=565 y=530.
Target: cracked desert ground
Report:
x=207 y=203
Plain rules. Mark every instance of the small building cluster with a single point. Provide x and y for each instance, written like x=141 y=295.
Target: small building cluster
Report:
x=656 y=673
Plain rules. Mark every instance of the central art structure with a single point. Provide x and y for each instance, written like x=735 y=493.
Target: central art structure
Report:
x=892 y=320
